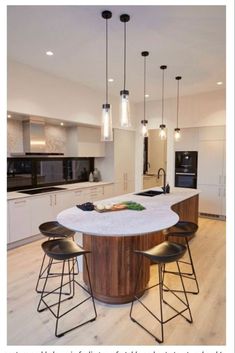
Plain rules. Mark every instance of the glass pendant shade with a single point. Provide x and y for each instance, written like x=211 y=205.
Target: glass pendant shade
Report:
x=144 y=131
x=162 y=132
x=144 y=128
x=106 y=127
x=124 y=109
x=106 y=122
x=177 y=134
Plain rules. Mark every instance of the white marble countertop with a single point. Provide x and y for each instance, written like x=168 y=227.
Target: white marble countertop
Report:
x=156 y=216
x=20 y=194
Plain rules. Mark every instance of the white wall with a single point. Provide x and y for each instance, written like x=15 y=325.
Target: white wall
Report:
x=37 y=93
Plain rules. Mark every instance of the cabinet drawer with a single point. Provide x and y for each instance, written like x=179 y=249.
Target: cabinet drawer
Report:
x=19 y=218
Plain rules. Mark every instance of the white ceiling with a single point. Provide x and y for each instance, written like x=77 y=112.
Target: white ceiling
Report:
x=190 y=40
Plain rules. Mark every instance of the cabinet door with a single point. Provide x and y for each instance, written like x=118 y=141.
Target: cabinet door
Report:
x=124 y=154
x=19 y=219
x=223 y=201
x=61 y=201
x=210 y=199
x=108 y=191
x=210 y=162
x=95 y=193
x=78 y=196
x=41 y=211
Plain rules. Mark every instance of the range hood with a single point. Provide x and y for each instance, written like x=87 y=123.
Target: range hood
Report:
x=34 y=139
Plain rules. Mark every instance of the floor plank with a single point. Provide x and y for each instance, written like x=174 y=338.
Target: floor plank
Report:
x=113 y=326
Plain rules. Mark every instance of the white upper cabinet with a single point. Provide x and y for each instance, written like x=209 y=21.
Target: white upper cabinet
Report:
x=85 y=142
x=210 y=162
x=188 y=140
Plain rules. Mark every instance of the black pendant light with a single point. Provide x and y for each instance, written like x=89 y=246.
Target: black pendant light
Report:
x=177 y=129
x=144 y=122
x=106 y=126
x=124 y=94
x=163 y=126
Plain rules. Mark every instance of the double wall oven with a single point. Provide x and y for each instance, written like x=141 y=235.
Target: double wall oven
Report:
x=186 y=169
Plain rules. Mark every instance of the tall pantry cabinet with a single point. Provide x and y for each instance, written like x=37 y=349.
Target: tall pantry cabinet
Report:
x=210 y=142
x=212 y=170
x=124 y=161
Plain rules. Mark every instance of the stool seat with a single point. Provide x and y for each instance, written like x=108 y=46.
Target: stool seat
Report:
x=62 y=249
x=182 y=229
x=56 y=230
x=165 y=252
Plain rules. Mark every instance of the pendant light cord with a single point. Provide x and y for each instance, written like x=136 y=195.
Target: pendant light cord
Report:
x=124 y=55
x=144 y=88
x=162 y=94
x=107 y=61
x=177 y=108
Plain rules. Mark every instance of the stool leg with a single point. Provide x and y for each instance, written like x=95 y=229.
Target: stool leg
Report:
x=161 y=300
x=191 y=276
x=185 y=294
x=135 y=290
x=58 y=308
x=40 y=274
x=44 y=286
x=90 y=288
x=193 y=269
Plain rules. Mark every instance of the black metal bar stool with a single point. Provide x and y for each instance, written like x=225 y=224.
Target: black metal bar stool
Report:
x=161 y=254
x=52 y=230
x=64 y=250
x=184 y=229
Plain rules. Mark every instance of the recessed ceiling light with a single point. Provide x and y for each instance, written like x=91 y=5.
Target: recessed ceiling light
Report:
x=49 y=53
x=147 y=96
x=9 y=115
x=219 y=83
x=110 y=79
x=62 y=124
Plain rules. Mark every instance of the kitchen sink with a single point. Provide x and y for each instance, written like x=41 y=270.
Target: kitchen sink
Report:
x=150 y=193
x=40 y=191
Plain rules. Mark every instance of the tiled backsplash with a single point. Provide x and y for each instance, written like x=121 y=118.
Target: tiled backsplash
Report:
x=55 y=138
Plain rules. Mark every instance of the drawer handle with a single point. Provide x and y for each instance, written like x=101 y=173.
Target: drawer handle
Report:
x=19 y=202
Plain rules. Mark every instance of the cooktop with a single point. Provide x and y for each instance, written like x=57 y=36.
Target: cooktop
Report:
x=39 y=191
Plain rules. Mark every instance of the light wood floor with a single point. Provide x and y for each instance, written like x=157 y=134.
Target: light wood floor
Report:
x=113 y=326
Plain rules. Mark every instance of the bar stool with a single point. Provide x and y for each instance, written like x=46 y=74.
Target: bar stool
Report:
x=161 y=254
x=184 y=229
x=64 y=250
x=51 y=230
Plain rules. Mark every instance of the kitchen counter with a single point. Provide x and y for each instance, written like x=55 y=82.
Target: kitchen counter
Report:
x=112 y=238
x=20 y=194
x=156 y=216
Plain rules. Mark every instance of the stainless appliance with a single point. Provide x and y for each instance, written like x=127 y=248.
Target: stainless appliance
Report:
x=186 y=169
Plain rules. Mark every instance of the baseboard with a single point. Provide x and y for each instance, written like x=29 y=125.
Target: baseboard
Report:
x=212 y=216
x=24 y=241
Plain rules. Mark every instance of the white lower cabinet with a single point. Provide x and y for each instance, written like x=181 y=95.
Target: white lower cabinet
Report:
x=108 y=191
x=26 y=214
x=212 y=199
x=41 y=211
x=19 y=217
x=95 y=193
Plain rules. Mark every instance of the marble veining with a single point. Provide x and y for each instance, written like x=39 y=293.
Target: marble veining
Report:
x=157 y=215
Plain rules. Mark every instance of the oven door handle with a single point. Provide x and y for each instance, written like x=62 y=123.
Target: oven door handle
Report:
x=185 y=173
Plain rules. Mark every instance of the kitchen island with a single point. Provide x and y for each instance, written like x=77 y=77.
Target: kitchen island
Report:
x=112 y=238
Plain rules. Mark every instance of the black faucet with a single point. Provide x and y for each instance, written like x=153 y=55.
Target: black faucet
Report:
x=164 y=178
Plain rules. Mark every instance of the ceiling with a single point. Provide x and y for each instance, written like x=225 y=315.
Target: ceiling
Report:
x=190 y=40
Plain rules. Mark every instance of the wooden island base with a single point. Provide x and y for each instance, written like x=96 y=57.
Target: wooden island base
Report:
x=114 y=265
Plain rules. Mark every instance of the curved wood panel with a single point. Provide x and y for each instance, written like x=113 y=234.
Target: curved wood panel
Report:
x=113 y=264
